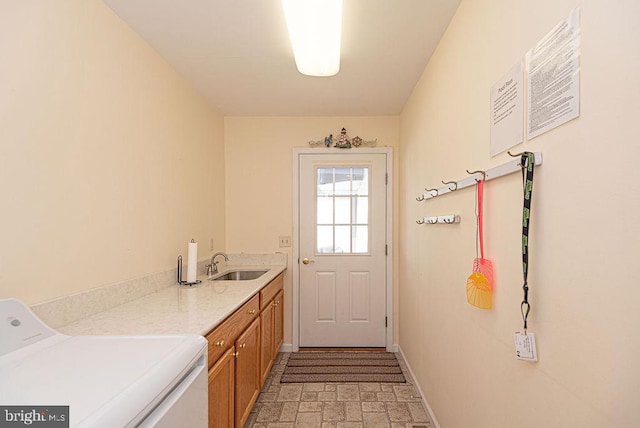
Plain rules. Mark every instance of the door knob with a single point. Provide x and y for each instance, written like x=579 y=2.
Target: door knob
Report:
x=306 y=261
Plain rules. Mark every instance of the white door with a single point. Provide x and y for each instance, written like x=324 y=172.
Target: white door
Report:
x=342 y=208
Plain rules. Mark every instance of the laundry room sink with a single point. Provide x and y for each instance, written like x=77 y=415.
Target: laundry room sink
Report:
x=240 y=275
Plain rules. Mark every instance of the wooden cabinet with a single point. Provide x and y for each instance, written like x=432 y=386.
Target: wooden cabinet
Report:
x=247 y=372
x=222 y=391
x=271 y=333
x=270 y=290
x=241 y=353
x=267 y=323
x=222 y=337
x=278 y=330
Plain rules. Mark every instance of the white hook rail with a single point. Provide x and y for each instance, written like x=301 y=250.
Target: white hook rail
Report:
x=495 y=172
x=443 y=219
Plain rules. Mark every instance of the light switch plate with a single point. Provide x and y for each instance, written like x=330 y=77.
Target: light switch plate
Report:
x=525 y=346
x=285 y=241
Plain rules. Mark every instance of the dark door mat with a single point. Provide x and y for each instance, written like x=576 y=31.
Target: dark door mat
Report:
x=351 y=366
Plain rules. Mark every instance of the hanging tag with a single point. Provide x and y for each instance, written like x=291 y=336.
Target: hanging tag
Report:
x=525 y=346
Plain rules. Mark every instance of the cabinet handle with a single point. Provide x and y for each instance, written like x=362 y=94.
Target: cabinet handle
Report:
x=243 y=346
x=252 y=312
x=220 y=343
x=236 y=354
x=277 y=302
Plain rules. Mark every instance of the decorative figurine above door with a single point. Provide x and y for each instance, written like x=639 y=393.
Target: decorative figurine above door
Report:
x=344 y=142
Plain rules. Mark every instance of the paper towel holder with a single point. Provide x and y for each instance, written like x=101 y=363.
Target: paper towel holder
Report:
x=180 y=281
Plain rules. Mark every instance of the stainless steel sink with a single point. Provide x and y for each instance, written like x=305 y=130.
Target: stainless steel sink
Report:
x=240 y=275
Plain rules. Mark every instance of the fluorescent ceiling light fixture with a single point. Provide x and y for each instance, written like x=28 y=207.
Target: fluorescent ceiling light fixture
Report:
x=315 y=30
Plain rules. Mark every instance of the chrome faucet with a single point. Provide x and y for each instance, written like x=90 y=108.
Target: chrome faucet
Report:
x=213 y=266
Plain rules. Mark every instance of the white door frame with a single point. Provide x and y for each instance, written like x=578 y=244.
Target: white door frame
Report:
x=296 y=234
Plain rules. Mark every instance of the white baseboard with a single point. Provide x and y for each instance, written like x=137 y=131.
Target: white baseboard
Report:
x=432 y=416
x=286 y=347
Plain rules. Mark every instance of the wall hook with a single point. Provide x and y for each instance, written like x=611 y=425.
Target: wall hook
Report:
x=518 y=155
x=432 y=190
x=455 y=185
x=484 y=174
x=420 y=198
x=421 y=221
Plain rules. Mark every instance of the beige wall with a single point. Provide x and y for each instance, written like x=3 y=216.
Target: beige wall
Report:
x=584 y=238
x=108 y=158
x=259 y=177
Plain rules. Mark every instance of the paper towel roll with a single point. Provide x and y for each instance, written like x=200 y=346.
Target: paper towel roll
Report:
x=192 y=261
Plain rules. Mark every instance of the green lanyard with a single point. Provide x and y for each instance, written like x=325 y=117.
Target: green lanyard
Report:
x=527 y=163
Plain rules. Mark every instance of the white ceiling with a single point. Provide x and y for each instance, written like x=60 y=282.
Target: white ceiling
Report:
x=237 y=53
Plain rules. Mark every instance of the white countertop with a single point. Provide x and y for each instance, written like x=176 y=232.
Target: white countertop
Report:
x=177 y=309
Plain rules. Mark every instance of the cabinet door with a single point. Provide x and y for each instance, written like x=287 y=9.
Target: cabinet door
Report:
x=221 y=391
x=267 y=323
x=278 y=327
x=247 y=371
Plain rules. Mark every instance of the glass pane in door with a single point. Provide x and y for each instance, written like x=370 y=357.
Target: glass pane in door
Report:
x=342 y=210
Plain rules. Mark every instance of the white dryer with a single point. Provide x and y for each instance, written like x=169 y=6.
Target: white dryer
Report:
x=107 y=381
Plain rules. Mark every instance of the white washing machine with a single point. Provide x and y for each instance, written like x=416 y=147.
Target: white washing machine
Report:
x=107 y=381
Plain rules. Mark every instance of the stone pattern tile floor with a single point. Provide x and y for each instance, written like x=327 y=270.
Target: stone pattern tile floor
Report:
x=337 y=404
